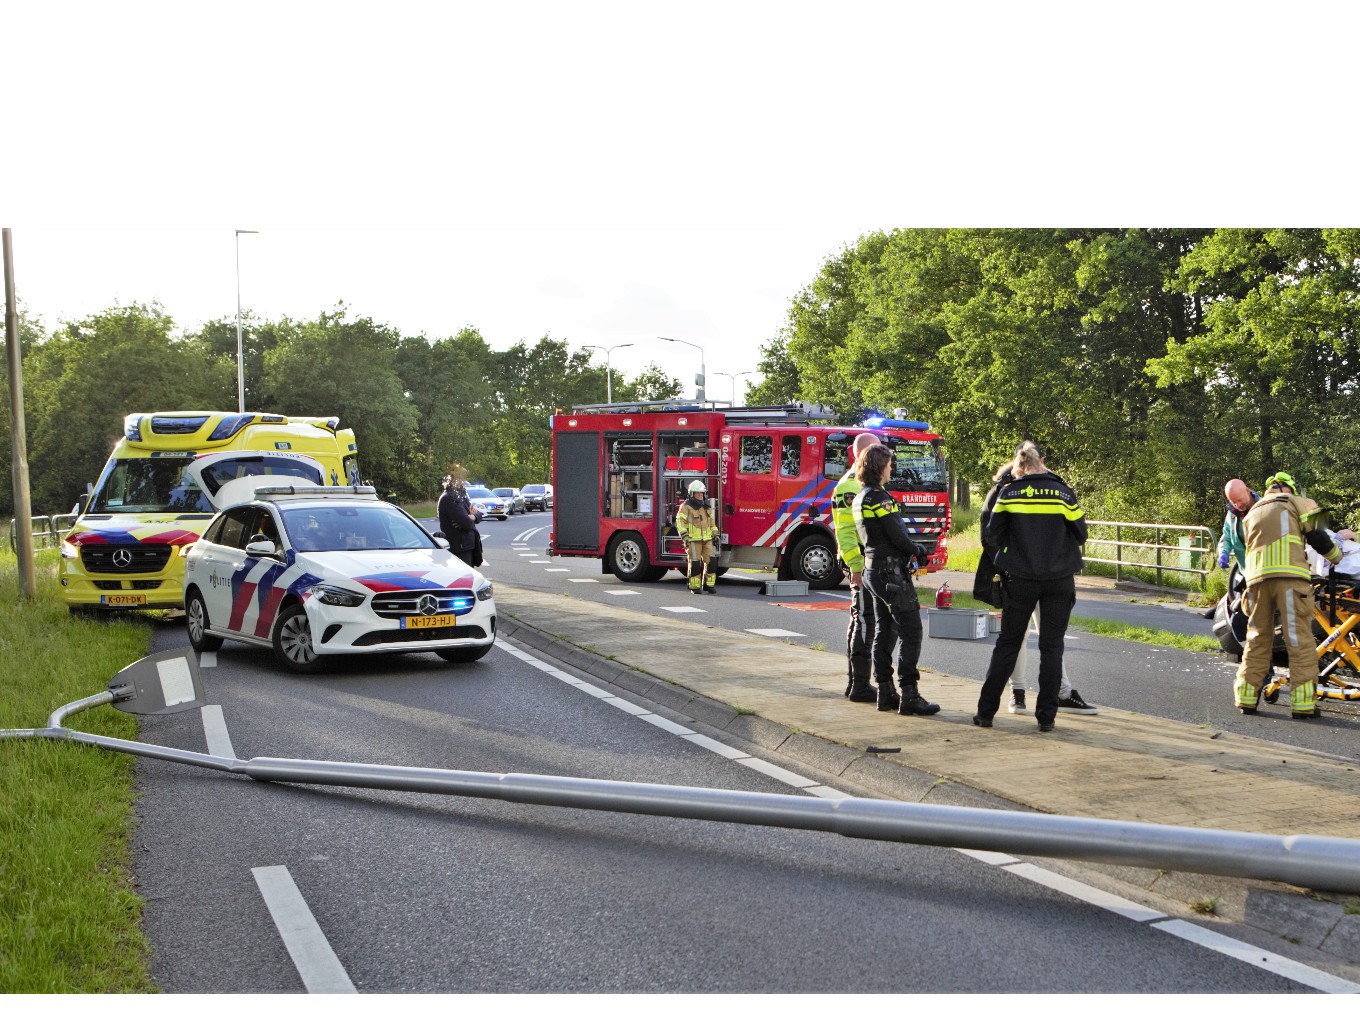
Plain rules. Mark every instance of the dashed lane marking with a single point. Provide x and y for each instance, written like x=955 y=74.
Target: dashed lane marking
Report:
x=206 y=659
x=316 y=963
x=682 y=609
x=1265 y=960
x=773 y=632
x=215 y=730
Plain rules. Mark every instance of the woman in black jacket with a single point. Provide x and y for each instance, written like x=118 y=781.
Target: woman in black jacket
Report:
x=888 y=555
x=1035 y=531
x=458 y=521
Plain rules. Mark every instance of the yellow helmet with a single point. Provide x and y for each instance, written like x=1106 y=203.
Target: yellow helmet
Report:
x=1282 y=478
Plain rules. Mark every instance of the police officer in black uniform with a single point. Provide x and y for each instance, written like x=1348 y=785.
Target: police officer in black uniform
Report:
x=888 y=555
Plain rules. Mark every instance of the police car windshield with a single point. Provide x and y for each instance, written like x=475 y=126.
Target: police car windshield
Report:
x=477 y=492
x=352 y=528
x=140 y=485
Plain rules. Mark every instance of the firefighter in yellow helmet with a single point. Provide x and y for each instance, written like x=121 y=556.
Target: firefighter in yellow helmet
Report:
x=1277 y=576
x=699 y=530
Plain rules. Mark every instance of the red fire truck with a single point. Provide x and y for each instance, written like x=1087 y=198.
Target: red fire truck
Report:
x=621 y=471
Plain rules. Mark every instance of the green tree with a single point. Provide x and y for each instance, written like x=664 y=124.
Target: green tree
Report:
x=335 y=366
x=88 y=376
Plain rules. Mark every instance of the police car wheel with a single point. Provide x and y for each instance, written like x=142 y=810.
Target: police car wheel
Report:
x=463 y=654
x=293 y=641
x=197 y=624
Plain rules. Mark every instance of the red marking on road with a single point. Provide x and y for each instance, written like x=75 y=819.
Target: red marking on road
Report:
x=814 y=605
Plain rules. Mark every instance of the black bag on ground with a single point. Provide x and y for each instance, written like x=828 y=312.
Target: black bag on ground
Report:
x=985 y=584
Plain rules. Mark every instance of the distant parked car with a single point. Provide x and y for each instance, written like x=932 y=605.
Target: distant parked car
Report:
x=488 y=502
x=513 y=498
x=538 y=497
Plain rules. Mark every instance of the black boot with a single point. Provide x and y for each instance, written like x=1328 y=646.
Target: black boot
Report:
x=914 y=704
x=888 y=701
x=861 y=690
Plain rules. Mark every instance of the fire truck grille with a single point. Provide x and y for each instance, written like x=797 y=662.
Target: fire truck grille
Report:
x=143 y=558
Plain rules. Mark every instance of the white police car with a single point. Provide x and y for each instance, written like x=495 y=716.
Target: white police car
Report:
x=313 y=571
x=488 y=502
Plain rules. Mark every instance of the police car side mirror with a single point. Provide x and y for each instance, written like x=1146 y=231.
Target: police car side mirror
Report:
x=441 y=541
x=262 y=547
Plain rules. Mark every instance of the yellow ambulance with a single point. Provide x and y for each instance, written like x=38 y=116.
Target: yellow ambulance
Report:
x=156 y=495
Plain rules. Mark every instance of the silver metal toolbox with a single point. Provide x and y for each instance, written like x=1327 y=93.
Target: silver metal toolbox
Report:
x=963 y=624
x=784 y=588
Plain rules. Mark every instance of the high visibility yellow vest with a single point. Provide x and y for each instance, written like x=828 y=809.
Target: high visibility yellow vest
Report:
x=1274 y=530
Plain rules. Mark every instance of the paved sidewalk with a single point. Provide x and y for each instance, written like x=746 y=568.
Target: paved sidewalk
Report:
x=1116 y=765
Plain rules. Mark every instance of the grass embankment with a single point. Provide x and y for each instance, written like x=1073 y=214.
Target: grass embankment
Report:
x=69 y=915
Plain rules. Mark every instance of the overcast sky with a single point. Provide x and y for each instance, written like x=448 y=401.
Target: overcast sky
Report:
x=609 y=173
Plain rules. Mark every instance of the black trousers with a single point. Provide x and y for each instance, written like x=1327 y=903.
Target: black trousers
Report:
x=897 y=624
x=1055 y=600
x=859 y=638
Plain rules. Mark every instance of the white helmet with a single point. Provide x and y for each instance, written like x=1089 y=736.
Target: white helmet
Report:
x=697 y=486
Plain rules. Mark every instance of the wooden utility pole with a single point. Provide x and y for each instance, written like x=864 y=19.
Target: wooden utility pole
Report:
x=23 y=509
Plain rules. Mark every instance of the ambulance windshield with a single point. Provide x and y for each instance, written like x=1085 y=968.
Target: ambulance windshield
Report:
x=141 y=485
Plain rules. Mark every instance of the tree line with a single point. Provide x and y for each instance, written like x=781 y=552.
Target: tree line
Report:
x=418 y=406
x=1150 y=365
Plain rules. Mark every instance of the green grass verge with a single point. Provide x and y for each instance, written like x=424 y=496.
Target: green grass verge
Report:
x=69 y=914
x=1115 y=629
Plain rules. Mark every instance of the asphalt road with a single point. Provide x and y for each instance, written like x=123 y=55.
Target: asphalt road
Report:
x=1190 y=687
x=257 y=887
x=412 y=893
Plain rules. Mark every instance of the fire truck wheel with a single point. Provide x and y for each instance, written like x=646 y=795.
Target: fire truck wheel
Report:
x=814 y=561
x=628 y=558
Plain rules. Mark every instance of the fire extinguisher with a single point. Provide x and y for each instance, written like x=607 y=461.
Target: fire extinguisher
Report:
x=944 y=598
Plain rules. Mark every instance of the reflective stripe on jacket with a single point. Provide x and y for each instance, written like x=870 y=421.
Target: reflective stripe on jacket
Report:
x=1037 y=528
x=843 y=516
x=1274 y=530
x=695 y=523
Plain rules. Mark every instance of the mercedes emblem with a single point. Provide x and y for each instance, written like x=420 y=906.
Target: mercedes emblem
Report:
x=122 y=558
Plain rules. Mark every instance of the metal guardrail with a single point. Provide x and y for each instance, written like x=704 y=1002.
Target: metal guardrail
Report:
x=1193 y=555
x=48 y=532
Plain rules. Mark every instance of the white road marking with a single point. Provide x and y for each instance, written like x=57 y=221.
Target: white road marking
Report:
x=1264 y=959
x=619 y=591
x=206 y=659
x=543 y=561
x=215 y=730
x=773 y=632
x=682 y=609
x=524 y=536
x=583 y=580
x=316 y=962
x=555 y=570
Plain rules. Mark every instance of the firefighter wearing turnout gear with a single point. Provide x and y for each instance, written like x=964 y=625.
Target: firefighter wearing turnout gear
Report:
x=888 y=555
x=1278 y=582
x=859 y=637
x=696 y=526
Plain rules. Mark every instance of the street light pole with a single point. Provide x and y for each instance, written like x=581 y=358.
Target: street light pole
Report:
x=608 y=375
x=240 y=359
x=703 y=376
x=734 y=376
